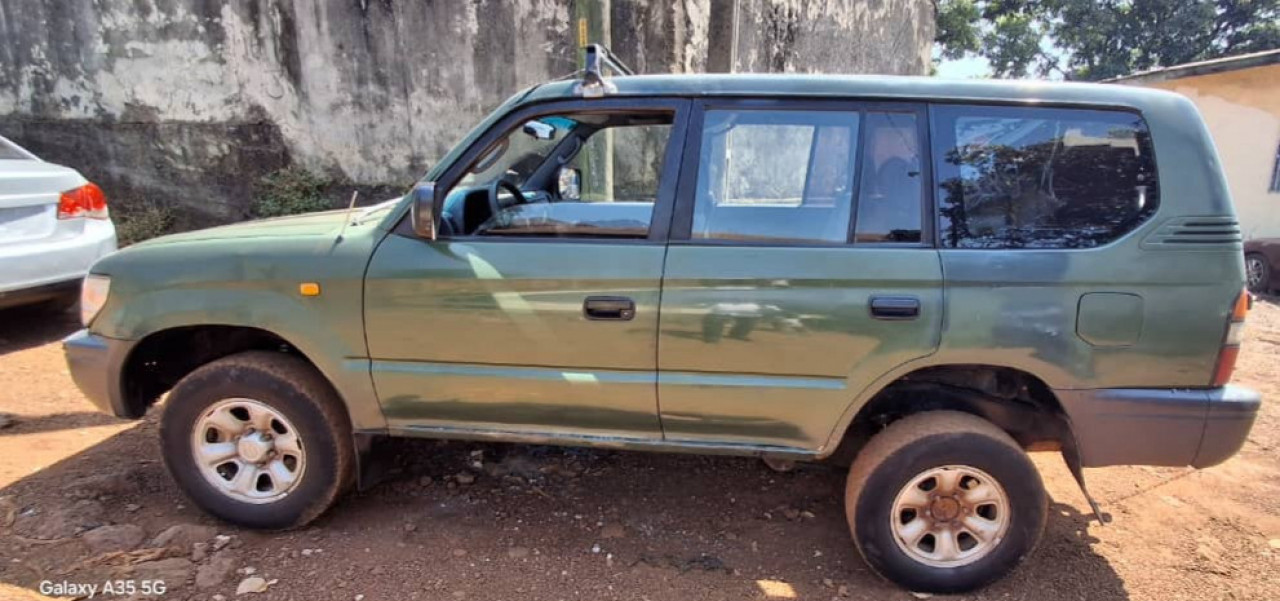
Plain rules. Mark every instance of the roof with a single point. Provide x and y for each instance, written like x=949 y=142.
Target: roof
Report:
x=1152 y=102
x=1209 y=67
x=908 y=88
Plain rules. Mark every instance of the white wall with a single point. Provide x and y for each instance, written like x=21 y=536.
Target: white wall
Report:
x=1242 y=110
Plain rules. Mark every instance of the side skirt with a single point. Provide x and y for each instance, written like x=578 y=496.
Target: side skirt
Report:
x=371 y=470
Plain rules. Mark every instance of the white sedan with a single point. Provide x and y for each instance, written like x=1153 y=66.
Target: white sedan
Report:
x=53 y=226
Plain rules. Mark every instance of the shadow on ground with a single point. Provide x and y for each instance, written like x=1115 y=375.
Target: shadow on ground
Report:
x=25 y=327
x=535 y=523
x=60 y=421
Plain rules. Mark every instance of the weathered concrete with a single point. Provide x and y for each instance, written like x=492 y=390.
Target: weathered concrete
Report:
x=190 y=101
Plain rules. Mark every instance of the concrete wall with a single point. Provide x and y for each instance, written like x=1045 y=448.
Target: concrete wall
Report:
x=190 y=101
x=1242 y=110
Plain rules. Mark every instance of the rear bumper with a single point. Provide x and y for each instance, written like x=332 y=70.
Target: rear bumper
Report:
x=96 y=363
x=1172 y=427
x=27 y=296
x=36 y=263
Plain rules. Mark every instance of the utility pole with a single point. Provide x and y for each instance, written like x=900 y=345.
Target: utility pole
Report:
x=722 y=46
x=591 y=26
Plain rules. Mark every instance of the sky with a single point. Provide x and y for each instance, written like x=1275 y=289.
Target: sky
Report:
x=964 y=68
x=971 y=67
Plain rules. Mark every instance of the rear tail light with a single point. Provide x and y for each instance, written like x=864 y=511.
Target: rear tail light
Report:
x=85 y=201
x=1231 y=340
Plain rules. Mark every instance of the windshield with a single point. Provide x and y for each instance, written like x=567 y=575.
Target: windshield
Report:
x=517 y=155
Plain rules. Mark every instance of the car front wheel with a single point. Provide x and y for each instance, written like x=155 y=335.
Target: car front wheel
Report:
x=258 y=439
x=944 y=502
x=1257 y=273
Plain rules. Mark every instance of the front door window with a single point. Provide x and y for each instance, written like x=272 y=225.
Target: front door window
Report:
x=564 y=176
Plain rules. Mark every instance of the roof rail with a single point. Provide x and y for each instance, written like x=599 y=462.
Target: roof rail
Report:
x=593 y=84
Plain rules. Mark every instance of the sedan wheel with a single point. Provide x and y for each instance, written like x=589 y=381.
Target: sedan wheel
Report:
x=1257 y=273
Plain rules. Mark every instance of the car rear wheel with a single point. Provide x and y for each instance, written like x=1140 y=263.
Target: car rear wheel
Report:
x=258 y=439
x=944 y=502
x=1257 y=273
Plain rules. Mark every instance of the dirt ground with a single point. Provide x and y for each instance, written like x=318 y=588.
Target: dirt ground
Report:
x=464 y=521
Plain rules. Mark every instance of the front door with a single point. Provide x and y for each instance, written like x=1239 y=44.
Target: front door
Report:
x=800 y=269
x=536 y=311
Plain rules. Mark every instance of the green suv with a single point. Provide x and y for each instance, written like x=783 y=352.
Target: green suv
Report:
x=921 y=279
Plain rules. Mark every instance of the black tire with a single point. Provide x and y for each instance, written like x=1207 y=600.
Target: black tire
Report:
x=915 y=444
x=288 y=385
x=1262 y=285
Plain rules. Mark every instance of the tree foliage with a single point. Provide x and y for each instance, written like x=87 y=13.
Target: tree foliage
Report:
x=1098 y=39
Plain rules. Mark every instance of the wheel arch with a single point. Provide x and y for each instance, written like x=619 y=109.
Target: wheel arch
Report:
x=1017 y=401
x=160 y=359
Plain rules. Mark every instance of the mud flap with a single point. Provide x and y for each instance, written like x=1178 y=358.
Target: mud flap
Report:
x=1071 y=455
x=372 y=466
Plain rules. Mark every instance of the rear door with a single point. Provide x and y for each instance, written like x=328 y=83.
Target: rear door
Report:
x=801 y=268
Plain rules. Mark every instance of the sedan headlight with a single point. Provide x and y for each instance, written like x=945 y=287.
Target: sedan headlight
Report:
x=93 y=294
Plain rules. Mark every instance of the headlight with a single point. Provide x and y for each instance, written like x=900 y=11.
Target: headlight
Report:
x=93 y=294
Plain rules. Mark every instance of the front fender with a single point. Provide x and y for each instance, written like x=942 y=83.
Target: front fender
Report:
x=255 y=282
x=330 y=338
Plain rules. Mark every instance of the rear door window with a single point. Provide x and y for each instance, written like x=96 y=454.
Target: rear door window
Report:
x=776 y=176
x=1014 y=177
x=889 y=197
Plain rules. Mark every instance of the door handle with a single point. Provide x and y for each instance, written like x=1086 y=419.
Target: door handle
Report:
x=618 y=308
x=895 y=307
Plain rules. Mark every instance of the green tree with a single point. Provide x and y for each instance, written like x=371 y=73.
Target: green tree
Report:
x=1098 y=39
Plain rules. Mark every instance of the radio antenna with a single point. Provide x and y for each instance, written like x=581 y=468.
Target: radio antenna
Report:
x=347 y=220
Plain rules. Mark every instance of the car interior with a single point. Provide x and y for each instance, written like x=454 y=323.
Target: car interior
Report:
x=535 y=181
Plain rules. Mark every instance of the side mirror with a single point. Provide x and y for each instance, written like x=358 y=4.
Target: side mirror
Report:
x=539 y=130
x=422 y=211
x=569 y=184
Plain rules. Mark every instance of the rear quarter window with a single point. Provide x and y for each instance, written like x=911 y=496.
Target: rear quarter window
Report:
x=1016 y=177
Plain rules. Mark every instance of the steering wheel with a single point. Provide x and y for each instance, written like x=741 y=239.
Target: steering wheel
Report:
x=499 y=184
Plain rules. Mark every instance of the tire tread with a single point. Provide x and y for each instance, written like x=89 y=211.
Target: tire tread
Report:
x=303 y=378
x=906 y=432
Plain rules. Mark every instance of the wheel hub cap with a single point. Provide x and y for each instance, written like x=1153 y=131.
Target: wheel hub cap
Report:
x=950 y=516
x=1254 y=272
x=944 y=509
x=254 y=447
x=248 y=450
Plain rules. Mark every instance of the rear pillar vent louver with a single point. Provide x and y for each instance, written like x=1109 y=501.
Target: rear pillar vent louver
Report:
x=1195 y=232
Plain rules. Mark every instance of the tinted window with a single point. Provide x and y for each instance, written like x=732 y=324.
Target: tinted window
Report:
x=1041 y=178
x=775 y=176
x=889 y=196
